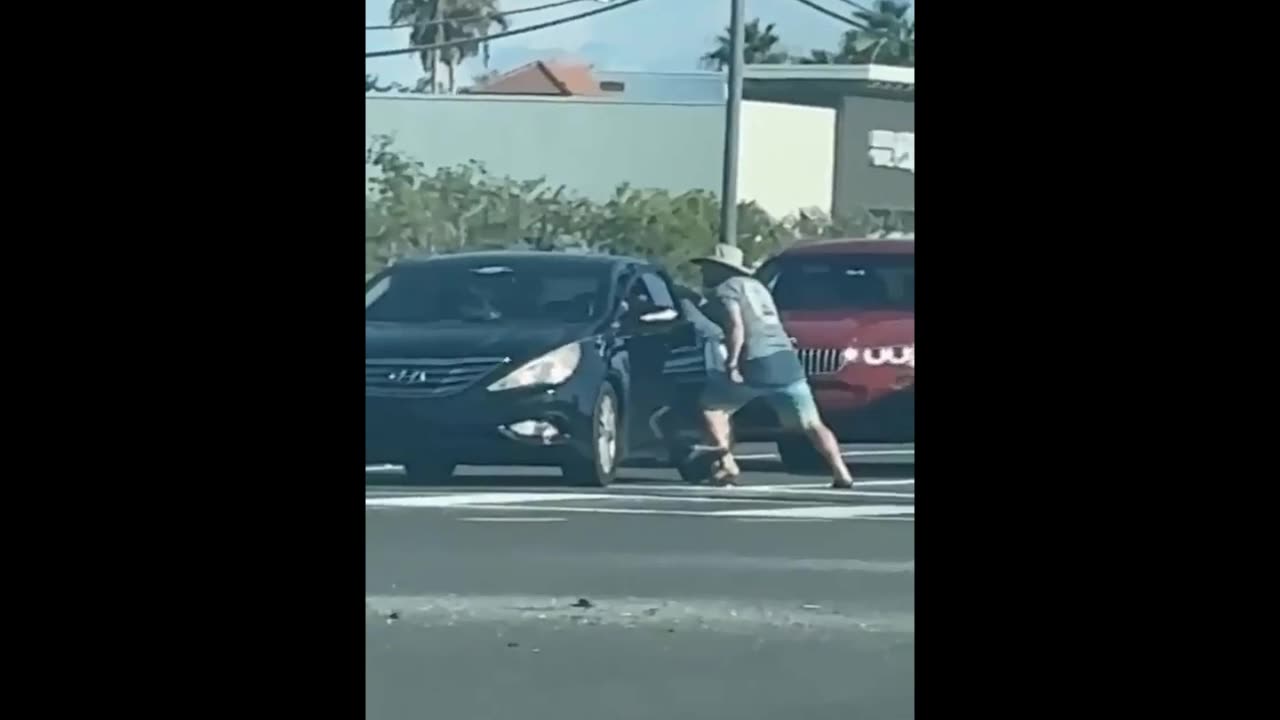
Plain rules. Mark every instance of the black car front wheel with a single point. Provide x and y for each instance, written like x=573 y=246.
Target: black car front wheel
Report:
x=599 y=463
x=429 y=470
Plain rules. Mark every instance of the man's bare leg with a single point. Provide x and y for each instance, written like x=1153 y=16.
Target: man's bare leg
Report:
x=721 y=434
x=824 y=441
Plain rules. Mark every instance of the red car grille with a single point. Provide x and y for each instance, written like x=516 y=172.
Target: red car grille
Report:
x=822 y=361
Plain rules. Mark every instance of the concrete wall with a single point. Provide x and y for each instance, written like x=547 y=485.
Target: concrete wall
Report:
x=592 y=146
x=785 y=157
x=667 y=87
x=859 y=182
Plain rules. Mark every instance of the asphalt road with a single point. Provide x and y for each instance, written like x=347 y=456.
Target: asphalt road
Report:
x=509 y=595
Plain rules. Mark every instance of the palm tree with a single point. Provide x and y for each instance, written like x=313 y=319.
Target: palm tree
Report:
x=757 y=47
x=889 y=37
x=471 y=20
x=816 y=57
x=437 y=21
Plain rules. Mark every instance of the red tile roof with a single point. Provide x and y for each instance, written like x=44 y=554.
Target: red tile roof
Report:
x=543 y=78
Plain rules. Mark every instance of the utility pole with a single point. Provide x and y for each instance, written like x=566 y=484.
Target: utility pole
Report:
x=732 y=117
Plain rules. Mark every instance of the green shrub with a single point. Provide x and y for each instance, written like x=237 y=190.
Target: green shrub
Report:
x=411 y=210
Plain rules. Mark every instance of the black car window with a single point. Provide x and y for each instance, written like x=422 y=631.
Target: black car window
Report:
x=638 y=294
x=492 y=292
x=842 y=282
x=658 y=292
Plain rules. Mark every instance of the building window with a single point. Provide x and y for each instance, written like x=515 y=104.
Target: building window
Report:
x=889 y=149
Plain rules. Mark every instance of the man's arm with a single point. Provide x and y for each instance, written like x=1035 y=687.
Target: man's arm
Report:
x=736 y=338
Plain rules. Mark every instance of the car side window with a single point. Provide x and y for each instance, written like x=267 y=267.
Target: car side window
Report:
x=659 y=295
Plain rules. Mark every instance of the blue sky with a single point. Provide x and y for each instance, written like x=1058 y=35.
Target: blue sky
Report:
x=663 y=35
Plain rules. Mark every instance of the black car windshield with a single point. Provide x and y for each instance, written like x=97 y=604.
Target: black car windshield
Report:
x=489 y=292
x=843 y=282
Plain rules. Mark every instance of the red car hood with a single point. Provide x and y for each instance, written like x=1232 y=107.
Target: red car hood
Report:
x=843 y=328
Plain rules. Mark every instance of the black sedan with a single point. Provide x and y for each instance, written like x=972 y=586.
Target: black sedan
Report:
x=513 y=358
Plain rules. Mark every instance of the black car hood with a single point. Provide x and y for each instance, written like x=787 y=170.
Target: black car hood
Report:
x=450 y=340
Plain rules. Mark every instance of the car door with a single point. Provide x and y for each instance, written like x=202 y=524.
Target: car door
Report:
x=651 y=327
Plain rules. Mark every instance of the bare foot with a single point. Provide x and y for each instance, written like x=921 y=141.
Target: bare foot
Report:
x=724 y=476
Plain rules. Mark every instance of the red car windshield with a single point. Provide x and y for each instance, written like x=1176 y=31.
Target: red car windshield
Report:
x=842 y=282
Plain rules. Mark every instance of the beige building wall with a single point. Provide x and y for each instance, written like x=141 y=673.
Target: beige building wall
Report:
x=786 y=157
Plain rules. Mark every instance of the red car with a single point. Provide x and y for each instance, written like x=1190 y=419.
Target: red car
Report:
x=849 y=306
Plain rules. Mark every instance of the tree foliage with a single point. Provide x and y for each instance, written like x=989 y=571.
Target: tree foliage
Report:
x=884 y=35
x=889 y=37
x=411 y=209
x=758 y=47
x=437 y=21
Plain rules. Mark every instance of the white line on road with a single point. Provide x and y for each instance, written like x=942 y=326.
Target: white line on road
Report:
x=782 y=520
x=883 y=483
x=682 y=493
x=512 y=519
x=834 y=512
x=727 y=614
x=471 y=499
x=823 y=512
x=822 y=490
x=748 y=456
x=827 y=485
x=846 y=453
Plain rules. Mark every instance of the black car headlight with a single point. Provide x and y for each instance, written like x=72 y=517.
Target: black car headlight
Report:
x=551 y=369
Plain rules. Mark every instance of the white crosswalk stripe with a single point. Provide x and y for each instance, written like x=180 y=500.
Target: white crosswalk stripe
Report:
x=799 y=502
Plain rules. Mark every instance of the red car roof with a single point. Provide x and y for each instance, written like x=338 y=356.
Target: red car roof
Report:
x=853 y=246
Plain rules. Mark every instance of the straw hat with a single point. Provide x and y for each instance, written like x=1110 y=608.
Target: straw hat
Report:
x=726 y=256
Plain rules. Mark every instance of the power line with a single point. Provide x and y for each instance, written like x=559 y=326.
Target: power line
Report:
x=863 y=8
x=474 y=18
x=832 y=14
x=496 y=36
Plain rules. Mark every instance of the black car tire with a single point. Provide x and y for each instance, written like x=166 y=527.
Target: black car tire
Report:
x=800 y=457
x=600 y=465
x=428 y=471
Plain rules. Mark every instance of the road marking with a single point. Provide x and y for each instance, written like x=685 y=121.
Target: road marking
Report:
x=512 y=519
x=682 y=493
x=717 y=614
x=470 y=499
x=834 y=512
x=822 y=490
x=589 y=509
x=827 y=485
x=844 y=453
x=781 y=520
x=822 y=512
x=748 y=456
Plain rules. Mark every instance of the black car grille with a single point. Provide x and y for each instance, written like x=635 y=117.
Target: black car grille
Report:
x=425 y=376
x=822 y=361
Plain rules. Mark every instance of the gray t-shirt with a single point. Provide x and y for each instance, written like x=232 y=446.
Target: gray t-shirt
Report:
x=768 y=357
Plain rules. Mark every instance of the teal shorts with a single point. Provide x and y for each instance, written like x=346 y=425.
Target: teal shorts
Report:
x=794 y=403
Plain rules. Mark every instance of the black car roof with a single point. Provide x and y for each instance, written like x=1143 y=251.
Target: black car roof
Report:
x=523 y=256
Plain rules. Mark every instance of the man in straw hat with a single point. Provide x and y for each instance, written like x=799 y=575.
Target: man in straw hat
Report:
x=761 y=363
